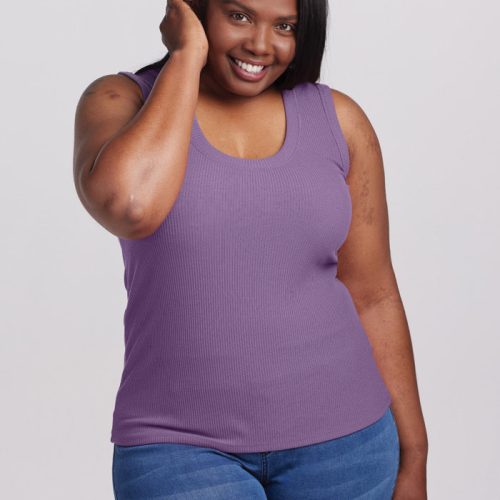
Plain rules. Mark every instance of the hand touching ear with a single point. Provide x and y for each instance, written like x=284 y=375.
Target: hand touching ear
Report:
x=182 y=29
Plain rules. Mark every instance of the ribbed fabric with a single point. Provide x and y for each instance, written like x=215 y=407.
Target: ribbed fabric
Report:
x=238 y=334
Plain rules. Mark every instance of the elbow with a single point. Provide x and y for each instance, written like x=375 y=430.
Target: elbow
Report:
x=137 y=223
x=375 y=289
x=117 y=210
x=130 y=217
x=140 y=220
x=127 y=208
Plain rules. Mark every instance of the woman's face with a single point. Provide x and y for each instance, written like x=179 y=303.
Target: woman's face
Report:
x=260 y=32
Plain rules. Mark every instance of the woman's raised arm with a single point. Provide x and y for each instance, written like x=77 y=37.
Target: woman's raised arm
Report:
x=130 y=157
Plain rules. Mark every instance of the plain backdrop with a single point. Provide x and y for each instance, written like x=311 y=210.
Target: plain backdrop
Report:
x=427 y=75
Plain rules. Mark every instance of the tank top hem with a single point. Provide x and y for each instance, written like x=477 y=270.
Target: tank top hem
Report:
x=312 y=438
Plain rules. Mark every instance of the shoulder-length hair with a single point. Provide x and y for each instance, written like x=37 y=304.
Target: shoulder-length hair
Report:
x=310 y=44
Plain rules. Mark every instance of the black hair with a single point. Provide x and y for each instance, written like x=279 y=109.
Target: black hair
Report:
x=310 y=44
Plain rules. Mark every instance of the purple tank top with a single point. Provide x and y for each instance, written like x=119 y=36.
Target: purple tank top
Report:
x=238 y=334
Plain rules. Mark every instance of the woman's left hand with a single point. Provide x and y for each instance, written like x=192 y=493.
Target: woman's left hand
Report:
x=411 y=482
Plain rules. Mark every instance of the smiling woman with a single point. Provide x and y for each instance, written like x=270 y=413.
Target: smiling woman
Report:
x=238 y=199
x=309 y=35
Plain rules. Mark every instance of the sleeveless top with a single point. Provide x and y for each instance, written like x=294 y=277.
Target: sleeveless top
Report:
x=238 y=334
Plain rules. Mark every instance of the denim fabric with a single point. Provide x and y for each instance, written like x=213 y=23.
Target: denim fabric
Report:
x=362 y=465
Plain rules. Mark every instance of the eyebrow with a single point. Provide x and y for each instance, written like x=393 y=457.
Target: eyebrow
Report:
x=244 y=7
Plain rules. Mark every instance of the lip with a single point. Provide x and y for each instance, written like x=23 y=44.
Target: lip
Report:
x=249 y=61
x=247 y=76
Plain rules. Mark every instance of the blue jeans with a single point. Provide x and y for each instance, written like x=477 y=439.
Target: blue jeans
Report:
x=361 y=465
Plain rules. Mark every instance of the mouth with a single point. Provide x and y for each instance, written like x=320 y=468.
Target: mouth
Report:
x=248 y=72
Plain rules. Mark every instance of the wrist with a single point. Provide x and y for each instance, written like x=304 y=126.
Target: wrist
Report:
x=196 y=55
x=413 y=455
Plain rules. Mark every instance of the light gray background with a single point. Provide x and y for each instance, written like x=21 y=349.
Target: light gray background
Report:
x=427 y=75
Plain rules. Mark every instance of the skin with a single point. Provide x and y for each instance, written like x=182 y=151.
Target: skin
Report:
x=365 y=267
x=235 y=117
x=246 y=119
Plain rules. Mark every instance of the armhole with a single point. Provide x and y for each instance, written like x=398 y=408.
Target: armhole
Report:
x=139 y=80
x=329 y=107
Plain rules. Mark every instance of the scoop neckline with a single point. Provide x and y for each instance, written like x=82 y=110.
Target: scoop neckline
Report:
x=202 y=144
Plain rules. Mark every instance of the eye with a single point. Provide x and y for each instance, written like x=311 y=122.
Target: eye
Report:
x=292 y=26
x=236 y=14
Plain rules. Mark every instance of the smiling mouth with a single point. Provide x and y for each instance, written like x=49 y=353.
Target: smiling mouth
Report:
x=239 y=61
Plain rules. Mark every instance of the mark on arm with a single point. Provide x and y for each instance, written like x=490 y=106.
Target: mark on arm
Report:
x=371 y=153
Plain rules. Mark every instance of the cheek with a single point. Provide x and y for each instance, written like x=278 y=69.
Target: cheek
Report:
x=220 y=33
x=287 y=49
x=223 y=40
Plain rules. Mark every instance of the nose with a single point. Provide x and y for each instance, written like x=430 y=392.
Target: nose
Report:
x=259 y=41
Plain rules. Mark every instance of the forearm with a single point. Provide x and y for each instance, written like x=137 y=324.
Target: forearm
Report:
x=143 y=166
x=386 y=326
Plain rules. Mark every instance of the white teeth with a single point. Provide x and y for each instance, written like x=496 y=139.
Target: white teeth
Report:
x=250 y=68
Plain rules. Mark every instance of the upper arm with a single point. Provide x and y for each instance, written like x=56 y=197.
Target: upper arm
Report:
x=364 y=260
x=104 y=108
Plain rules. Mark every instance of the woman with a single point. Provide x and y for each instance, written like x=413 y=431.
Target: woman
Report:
x=267 y=353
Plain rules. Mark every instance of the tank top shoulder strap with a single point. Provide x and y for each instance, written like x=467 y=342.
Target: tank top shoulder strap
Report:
x=317 y=104
x=145 y=79
x=331 y=113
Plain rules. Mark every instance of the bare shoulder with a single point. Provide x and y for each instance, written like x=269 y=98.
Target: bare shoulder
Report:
x=113 y=87
x=355 y=124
